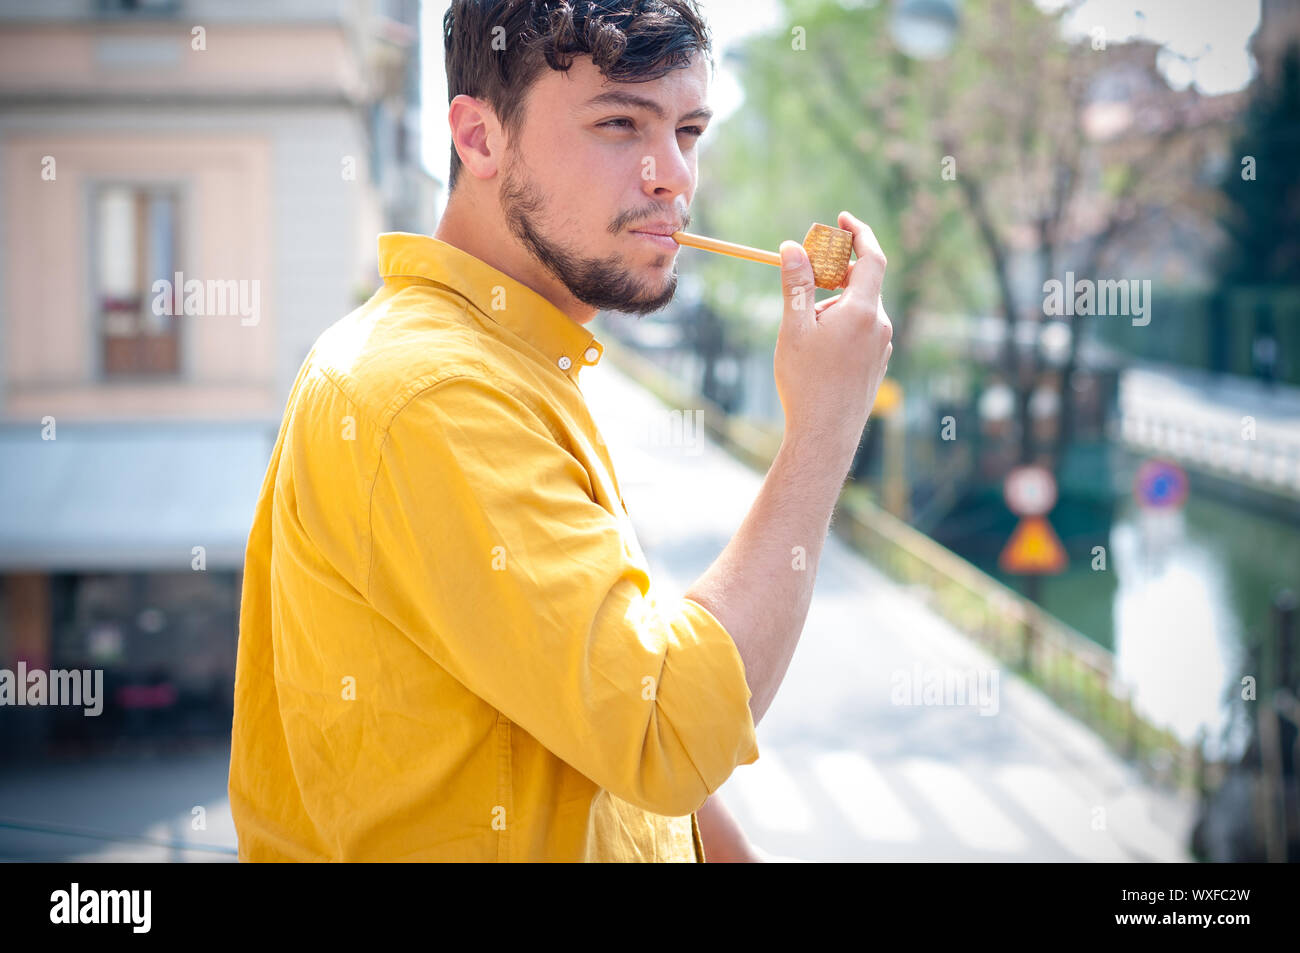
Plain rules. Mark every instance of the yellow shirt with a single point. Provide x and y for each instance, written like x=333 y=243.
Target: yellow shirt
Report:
x=449 y=644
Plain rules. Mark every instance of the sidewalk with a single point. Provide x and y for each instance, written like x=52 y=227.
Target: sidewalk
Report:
x=120 y=808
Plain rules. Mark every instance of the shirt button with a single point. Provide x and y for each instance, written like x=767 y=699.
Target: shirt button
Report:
x=565 y=363
x=592 y=355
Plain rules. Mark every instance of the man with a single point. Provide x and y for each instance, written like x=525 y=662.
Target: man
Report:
x=450 y=648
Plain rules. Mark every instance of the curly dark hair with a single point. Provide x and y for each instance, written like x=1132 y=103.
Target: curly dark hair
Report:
x=496 y=49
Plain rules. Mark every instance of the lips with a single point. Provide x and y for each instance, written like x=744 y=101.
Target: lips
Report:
x=659 y=228
x=665 y=242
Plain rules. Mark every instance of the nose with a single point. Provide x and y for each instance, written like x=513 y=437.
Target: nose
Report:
x=668 y=174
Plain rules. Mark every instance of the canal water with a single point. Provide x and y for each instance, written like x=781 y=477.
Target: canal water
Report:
x=1189 y=615
x=1182 y=597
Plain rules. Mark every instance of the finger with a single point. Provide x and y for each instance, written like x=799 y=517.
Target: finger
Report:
x=868 y=272
x=864 y=239
x=797 y=284
x=823 y=305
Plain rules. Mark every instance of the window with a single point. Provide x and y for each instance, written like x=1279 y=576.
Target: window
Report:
x=135 y=245
x=166 y=644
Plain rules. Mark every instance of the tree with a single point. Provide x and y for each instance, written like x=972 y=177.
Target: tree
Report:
x=1261 y=187
x=1043 y=189
x=831 y=121
x=979 y=172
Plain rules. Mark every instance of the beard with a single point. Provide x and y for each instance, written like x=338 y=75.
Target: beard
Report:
x=602 y=283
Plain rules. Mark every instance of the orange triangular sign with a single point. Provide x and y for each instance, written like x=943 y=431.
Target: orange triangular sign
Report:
x=1034 y=547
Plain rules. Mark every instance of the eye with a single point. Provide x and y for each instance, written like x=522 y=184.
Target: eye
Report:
x=623 y=123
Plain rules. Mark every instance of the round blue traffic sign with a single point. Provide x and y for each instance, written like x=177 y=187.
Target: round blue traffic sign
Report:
x=1160 y=485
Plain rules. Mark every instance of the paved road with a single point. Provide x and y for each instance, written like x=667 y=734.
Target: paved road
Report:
x=843 y=773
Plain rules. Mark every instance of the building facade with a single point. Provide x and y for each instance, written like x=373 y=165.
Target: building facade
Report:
x=190 y=192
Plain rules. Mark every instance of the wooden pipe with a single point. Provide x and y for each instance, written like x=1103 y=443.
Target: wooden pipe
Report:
x=828 y=249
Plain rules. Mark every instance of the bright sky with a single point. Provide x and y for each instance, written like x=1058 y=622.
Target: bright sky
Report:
x=1213 y=32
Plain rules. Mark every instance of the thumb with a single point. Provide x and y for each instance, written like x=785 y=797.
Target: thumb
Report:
x=796 y=280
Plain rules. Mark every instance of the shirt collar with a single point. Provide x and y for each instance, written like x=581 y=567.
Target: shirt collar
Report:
x=568 y=345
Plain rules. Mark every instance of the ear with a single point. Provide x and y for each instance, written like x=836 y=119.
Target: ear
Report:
x=476 y=134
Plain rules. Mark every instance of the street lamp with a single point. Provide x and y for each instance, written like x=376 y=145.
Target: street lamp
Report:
x=925 y=29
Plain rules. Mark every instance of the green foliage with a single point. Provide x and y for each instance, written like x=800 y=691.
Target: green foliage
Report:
x=1186 y=320
x=1262 y=218
x=841 y=124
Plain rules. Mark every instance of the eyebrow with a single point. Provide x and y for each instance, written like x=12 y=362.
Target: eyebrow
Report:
x=632 y=100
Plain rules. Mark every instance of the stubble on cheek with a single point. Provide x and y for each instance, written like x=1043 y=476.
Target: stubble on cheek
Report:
x=603 y=283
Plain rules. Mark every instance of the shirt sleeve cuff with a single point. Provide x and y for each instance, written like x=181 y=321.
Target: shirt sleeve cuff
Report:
x=708 y=701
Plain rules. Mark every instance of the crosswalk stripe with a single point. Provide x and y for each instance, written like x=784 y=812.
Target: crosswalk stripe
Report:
x=1058 y=810
x=772 y=795
x=860 y=792
x=964 y=808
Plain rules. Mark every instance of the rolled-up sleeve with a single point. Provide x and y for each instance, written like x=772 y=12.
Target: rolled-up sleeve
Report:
x=489 y=551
